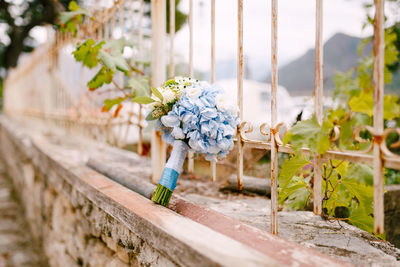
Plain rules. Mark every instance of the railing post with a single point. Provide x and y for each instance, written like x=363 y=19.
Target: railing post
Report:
x=158 y=76
x=240 y=93
x=318 y=94
x=190 y=22
x=274 y=117
x=378 y=76
x=212 y=75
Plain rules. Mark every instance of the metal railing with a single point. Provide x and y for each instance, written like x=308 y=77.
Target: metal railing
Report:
x=88 y=116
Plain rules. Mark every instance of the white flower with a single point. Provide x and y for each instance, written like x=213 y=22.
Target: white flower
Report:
x=168 y=96
x=193 y=91
x=224 y=105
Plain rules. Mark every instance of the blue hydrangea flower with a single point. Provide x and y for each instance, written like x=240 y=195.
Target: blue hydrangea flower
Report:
x=196 y=120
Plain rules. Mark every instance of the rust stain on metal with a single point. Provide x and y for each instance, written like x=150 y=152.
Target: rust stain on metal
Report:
x=377 y=139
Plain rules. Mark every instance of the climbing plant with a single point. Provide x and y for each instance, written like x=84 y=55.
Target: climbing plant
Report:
x=107 y=57
x=347 y=187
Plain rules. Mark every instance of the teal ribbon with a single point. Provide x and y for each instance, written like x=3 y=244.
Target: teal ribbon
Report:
x=169 y=178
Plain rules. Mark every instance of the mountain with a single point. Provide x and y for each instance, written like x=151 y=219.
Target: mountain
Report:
x=340 y=54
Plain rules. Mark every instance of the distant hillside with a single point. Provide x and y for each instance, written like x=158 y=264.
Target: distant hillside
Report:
x=340 y=54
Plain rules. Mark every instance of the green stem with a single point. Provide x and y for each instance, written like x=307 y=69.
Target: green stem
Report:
x=161 y=195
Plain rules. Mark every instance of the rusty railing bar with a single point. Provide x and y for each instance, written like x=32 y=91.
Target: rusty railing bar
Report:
x=240 y=94
x=190 y=20
x=318 y=94
x=378 y=77
x=212 y=76
x=274 y=116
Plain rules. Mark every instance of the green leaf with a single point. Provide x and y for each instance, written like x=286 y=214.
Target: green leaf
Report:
x=140 y=85
x=73 y=6
x=106 y=59
x=309 y=133
x=109 y=103
x=298 y=199
x=118 y=45
x=103 y=76
x=290 y=168
x=391 y=107
x=284 y=193
x=143 y=100
x=150 y=117
x=361 y=173
x=87 y=52
x=359 y=218
x=113 y=60
x=364 y=103
x=362 y=192
x=157 y=93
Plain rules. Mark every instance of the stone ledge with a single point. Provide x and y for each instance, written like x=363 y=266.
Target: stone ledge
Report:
x=126 y=230
x=287 y=253
x=59 y=170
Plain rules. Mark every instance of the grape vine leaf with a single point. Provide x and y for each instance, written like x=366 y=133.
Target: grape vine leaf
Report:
x=361 y=173
x=363 y=102
x=362 y=192
x=298 y=199
x=68 y=20
x=284 y=193
x=391 y=107
x=109 y=103
x=113 y=61
x=359 y=218
x=87 y=52
x=103 y=76
x=309 y=133
x=290 y=168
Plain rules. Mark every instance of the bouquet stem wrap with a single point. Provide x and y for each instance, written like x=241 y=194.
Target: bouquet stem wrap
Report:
x=169 y=177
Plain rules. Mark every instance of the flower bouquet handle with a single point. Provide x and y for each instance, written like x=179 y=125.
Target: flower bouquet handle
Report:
x=191 y=115
x=169 y=177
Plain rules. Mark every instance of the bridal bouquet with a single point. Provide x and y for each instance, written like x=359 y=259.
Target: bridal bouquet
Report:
x=192 y=115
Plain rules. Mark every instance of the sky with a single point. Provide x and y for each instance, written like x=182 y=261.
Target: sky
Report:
x=296 y=29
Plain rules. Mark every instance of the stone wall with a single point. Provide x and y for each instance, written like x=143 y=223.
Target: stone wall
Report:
x=79 y=217
x=392 y=214
x=71 y=229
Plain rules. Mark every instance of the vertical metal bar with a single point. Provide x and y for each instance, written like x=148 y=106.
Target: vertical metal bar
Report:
x=212 y=75
x=318 y=94
x=171 y=37
x=274 y=117
x=240 y=94
x=378 y=76
x=158 y=34
x=132 y=12
x=121 y=137
x=190 y=154
x=106 y=24
x=212 y=79
x=140 y=115
x=190 y=38
x=122 y=17
x=113 y=21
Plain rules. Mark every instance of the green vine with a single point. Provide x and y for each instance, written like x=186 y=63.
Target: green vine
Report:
x=347 y=187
